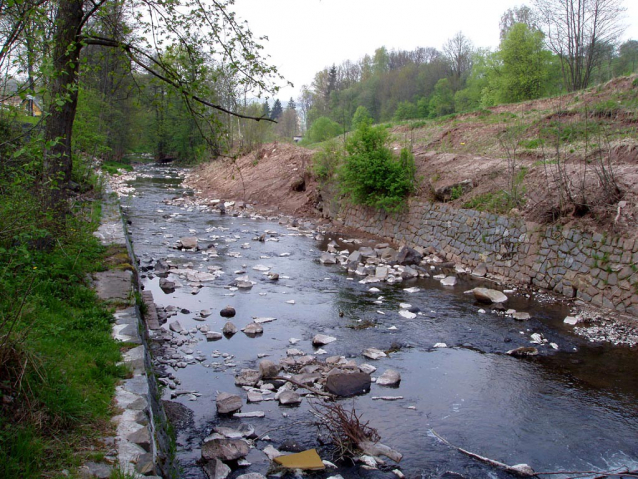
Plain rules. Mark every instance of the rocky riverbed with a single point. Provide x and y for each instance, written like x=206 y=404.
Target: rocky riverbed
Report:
x=266 y=318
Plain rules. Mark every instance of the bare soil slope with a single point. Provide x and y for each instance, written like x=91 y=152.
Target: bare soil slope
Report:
x=575 y=157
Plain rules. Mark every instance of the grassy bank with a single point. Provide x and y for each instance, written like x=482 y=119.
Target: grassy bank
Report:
x=57 y=358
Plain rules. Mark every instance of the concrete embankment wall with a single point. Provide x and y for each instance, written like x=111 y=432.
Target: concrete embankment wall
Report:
x=597 y=268
x=142 y=443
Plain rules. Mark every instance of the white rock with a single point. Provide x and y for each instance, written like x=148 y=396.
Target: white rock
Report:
x=411 y=290
x=373 y=353
x=440 y=345
x=571 y=320
x=389 y=378
x=322 y=340
x=449 y=281
x=407 y=314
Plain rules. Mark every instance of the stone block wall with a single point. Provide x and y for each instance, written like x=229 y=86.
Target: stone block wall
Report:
x=597 y=268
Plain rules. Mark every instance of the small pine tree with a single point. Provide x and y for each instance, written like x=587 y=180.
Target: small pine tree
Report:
x=291 y=104
x=266 y=110
x=277 y=110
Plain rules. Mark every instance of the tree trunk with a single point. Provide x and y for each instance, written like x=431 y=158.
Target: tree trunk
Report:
x=58 y=163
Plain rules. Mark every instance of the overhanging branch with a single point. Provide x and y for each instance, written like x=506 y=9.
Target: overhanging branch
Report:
x=132 y=52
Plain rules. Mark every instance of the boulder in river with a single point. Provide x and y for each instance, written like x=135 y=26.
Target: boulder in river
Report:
x=327 y=258
x=480 y=270
x=348 y=384
x=216 y=469
x=373 y=353
x=407 y=255
x=167 y=286
x=253 y=329
x=523 y=352
x=228 y=403
x=322 y=340
x=269 y=369
x=485 y=295
x=224 y=449
x=289 y=398
x=229 y=329
x=227 y=312
x=247 y=377
x=389 y=378
x=176 y=327
x=187 y=242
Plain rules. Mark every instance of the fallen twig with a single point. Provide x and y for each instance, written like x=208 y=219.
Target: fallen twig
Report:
x=523 y=470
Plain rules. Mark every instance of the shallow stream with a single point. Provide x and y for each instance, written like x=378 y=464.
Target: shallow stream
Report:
x=571 y=409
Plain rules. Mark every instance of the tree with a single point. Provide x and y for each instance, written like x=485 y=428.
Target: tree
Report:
x=361 y=115
x=442 y=101
x=512 y=16
x=525 y=64
x=291 y=104
x=224 y=41
x=627 y=62
x=277 y=110
x=323 y=129
x=458 y=51
x=288 y=124
x=265 y=110
x=574 y=29
x=371 y=175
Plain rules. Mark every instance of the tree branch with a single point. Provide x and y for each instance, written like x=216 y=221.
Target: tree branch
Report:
x=131 y=51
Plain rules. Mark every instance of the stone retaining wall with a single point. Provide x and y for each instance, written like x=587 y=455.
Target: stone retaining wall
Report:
x=597 y=268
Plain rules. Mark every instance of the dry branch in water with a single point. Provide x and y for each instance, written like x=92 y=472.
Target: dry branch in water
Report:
x=346 y=429
x=523 y=470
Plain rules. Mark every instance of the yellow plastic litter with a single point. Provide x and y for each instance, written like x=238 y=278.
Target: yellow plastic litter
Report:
x=308 y=460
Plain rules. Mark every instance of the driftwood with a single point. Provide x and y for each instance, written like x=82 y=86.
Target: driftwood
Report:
x=523 y=470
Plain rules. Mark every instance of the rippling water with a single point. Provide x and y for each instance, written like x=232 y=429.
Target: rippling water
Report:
x=571 y=409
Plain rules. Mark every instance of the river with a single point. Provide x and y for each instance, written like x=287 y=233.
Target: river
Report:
x=568 y=409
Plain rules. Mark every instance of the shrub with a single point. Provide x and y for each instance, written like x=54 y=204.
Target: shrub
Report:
x=322 y=129
x=327 y=159
x=371 y=175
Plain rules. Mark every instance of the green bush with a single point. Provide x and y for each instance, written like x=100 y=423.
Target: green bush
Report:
x=370 y=174
x=326 y=161
x=322 y=129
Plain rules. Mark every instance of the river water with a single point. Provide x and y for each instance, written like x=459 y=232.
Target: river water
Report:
x=570 y=409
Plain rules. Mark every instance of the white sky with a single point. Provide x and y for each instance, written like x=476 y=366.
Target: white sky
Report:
x=306 y=36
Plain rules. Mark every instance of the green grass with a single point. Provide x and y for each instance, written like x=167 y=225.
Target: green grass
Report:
x=58 y=362
x=500 y=202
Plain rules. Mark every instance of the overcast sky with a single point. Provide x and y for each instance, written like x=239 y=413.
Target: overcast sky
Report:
x=307 y=35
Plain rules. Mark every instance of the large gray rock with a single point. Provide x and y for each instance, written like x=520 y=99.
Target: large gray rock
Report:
x=227 y=312
x=216 y=469
x=247 y=377
x=167 y=286
x=269 y=369
x=188 y=242
x=224 y=449
x=348 y=384
x=389 y=378
x=327 y=258
x=289 y=398
x=480 y=270
x=488 y=296
x=407 y=255
x=367 y=252
x=176 y=327
x=322 y=340
x=228 y=403
x=253 y=329
x=229 y=329
x=373 y=353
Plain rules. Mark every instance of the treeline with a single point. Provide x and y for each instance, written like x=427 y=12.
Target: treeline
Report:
x=532 y=61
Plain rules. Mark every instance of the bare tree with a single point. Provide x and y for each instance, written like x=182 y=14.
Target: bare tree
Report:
x=458 y=51
x=574 y=29
x=512 y=16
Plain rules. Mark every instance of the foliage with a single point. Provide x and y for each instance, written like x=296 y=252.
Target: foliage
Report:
x=442 y=102
x=360 y=115
x=371 y=175
x=326 y=161
x=322 y=129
